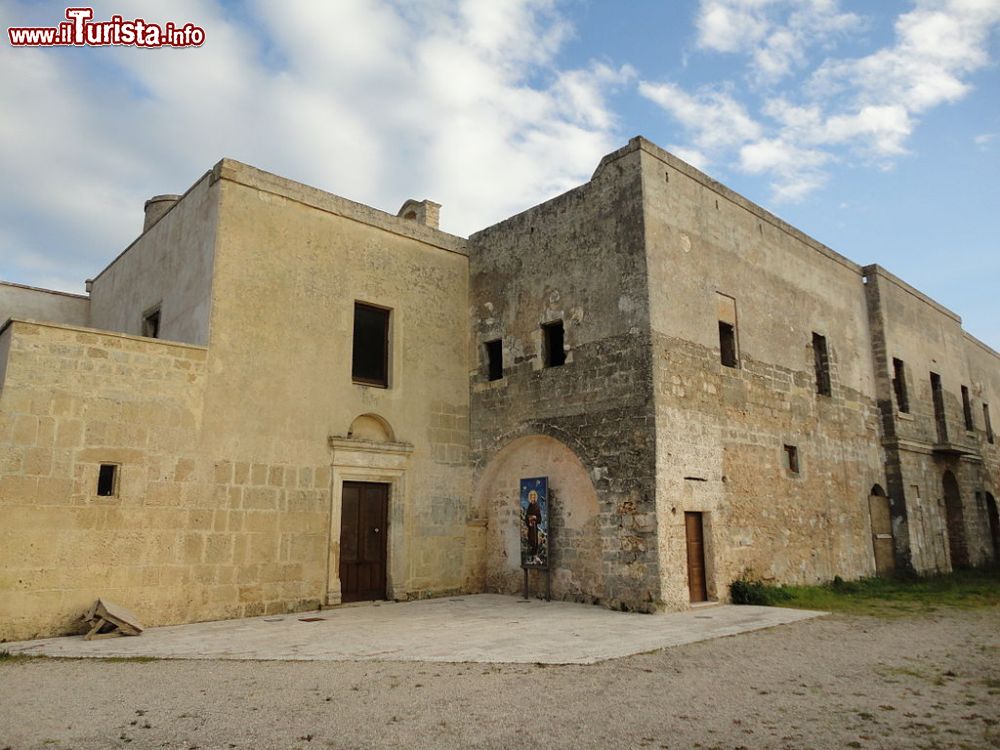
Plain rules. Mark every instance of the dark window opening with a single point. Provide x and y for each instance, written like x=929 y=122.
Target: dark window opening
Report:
x=370 y=363
x=727 y=344
x=822 y=358
x=555 y=352
x=151 y=324
x=939 y=417
x=106 y=480
x=792 y=459
x=989 y=425
x=899 y=385
x=967 y=409
x=494 y=359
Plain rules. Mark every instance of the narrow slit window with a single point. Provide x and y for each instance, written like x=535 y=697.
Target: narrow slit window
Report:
x=151 y=323
x=937 y=394
x=899 y=385
x=554 y=343
x=107 y=480
x=967 y=409
x=822 y=361
x=370 y=362
x=988 y=424
x=494 y=359
x=791 y=456
x=727 y=344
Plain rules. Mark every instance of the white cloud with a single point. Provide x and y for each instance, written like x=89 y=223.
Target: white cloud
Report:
x=776 y=34
x=460 y=101
x=865 y=107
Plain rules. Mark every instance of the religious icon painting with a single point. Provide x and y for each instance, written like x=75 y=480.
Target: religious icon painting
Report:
x=535 y=522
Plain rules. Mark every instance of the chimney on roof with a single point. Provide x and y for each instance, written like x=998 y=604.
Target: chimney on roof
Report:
x=423 y=212
x=156 y=207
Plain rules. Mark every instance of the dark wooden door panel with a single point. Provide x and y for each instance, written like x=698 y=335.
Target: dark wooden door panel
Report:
x=694 y=534
x=363 y=549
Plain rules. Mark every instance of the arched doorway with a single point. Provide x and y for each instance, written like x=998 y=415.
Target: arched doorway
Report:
x=991 y=512
x=955 y=522
x=882 y=542
x=577 y=559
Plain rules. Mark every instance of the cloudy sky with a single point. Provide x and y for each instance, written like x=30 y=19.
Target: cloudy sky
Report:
x=872 y=126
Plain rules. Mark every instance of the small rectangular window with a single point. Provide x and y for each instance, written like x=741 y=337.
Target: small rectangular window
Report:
x=107 y=480
x=494 y=359
x=822 y=361
x=370 y=362
x=899 y=385
x=967 y=409
x=988 y=424
x=151 y=323
x=939 y=416
x=791 y=456
x=727 y=344
x=725 y=312
x=555 y=351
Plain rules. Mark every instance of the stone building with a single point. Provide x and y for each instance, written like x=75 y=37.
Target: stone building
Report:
x=276 y=398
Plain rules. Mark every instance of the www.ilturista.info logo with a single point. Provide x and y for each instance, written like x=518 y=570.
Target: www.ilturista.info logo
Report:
x=79 y=30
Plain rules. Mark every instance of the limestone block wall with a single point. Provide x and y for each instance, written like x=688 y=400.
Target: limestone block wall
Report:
x=29 y=303
x=168 y=266
x=577 y=259
x=925 y=337
x=722 y=431
x=291 y=262
x=188 y=534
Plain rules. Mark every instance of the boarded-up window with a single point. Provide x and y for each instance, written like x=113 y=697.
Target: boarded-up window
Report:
x=899 y=385
x=967 y=409
x=494 y=359
x=370 y=362
x=554 y=344
x=939 y=417
x=822 y=361
x=107 y=480
x=729 y=352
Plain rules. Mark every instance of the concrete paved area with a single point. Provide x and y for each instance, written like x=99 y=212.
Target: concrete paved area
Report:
x=480 y=628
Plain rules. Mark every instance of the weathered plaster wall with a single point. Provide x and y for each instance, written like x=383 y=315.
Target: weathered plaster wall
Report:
x=721 y=430
x=576 y=258
x=169 y=265
x=290 y=264
x=29 y=303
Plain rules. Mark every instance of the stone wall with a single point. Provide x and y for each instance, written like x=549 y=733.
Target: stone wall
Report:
x=577 y=259
x=925 y=337
x=721 y=430
x=291 y=262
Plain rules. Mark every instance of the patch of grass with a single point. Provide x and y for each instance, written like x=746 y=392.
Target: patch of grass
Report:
x=6 y=657
x=882 y=597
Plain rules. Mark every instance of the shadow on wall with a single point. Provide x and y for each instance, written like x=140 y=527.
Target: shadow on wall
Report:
x=577 y=573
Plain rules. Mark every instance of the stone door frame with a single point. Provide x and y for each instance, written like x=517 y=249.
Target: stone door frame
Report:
x=369 y=461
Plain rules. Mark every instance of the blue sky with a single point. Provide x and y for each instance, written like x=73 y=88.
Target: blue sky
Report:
x=872 y=126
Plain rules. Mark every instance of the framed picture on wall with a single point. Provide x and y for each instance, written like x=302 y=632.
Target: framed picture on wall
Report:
x=534 y=499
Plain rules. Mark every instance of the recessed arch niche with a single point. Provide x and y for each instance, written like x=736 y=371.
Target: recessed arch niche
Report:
x=577 y=572
x=371 y=427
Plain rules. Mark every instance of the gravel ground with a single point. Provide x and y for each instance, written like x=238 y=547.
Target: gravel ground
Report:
x=834 y=682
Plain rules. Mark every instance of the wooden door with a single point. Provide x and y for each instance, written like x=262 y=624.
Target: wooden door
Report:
x=364 y=512
x=885 y=558
x=694 y=532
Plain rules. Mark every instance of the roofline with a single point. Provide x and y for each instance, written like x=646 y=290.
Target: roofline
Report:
x=46 y=291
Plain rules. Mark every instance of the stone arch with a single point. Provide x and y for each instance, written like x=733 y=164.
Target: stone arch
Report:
x=955 y=521
x=877 y=490
x=371 y=427
x=576 y=555
x=994 y=525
